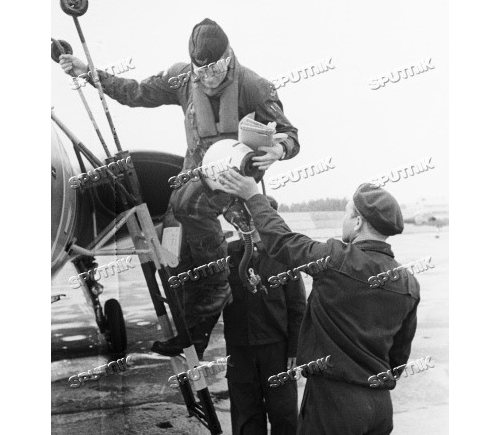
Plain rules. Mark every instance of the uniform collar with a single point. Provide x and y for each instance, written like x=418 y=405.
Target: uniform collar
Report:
x=375 y=245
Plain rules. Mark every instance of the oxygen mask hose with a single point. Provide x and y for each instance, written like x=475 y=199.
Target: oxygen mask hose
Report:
x=237 y=215
x=242 y=270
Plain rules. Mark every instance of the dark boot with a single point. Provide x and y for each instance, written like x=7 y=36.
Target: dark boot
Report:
x=200 y=334
x=215 y=299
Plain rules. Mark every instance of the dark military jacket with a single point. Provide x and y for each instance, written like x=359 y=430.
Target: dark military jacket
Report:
x=257 y=318
x=365 y=330
x=255 y=94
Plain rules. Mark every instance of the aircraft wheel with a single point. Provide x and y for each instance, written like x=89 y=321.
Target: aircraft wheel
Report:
x=116 y=333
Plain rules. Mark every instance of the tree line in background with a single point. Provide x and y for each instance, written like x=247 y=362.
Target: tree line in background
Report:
x=325 y=204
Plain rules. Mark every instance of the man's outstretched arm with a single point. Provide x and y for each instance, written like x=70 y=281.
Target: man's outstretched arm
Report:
x=151 y=92
x=285 y=246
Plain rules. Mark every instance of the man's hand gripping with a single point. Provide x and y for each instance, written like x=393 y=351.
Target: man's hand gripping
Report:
x=272 y=153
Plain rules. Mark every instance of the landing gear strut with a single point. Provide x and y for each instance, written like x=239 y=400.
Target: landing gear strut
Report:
x=111 y=322
x=116 y=334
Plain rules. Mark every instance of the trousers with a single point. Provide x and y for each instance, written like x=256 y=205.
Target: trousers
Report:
x=250 y=395
x=197 y=208
x=337 y=408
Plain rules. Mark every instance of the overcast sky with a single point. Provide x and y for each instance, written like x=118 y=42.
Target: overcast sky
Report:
x=367 y=132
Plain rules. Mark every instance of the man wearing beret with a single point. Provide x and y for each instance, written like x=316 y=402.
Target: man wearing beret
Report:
x=365 y=330
x=215 y=93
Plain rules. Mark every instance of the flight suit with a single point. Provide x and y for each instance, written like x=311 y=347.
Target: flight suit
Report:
x=365 y=330
x=193 y=204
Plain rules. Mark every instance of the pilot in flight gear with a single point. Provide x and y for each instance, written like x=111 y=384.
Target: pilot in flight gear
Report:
x=365 y=330
x=214 y=100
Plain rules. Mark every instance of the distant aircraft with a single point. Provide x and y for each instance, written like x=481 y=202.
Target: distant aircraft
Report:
x=435 y=219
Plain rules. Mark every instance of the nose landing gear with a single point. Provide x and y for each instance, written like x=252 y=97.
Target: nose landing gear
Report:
x=110 y=323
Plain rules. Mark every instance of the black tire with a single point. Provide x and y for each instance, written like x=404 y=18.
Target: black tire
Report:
x=116 y=332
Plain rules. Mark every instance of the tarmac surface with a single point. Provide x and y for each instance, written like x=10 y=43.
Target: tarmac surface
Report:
x=139 y=400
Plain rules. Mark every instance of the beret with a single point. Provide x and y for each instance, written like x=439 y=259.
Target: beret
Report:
x=207 y=43
x=380 y=209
